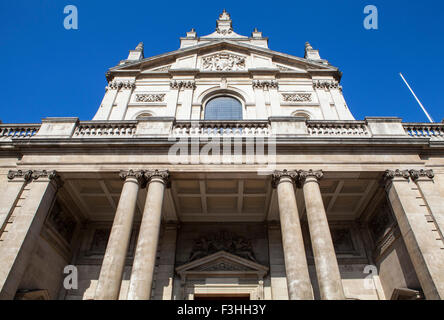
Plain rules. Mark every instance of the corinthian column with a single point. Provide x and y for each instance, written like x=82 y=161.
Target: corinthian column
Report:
x=113 y=264
x=145 y=259
x=327 y=269
x=298 y=278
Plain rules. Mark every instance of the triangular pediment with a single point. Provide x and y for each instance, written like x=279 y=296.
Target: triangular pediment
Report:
x=168 y=61
x=220 y=263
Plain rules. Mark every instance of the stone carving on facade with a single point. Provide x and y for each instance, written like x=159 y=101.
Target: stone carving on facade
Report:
x=182 y=84
x=26 y=175
x=416 y=174
x=162 y=174
x=163 y=69
x=222 y=241
x=304 y=174
x=147 y=97
x=223 y=62
x=138 y=174
x=391 y=174
x=326 y=84
x=224 y=266
x=278 y=175
x=265 y=84
x=224 y=31
x=283 y=68
x=116 y=85
x=297 y=97
x=30 y=175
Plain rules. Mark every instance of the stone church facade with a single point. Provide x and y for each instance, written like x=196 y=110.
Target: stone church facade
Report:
x=160 y=196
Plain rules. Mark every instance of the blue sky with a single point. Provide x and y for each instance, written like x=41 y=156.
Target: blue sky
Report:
x=48 y=71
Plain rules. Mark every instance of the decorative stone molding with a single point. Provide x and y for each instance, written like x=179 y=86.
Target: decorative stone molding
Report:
x=297 y=97
x=417 y=174
x=391 y=174
x=224 y=31
x=303 y=175
x=265 y=84
x=283 y=68
x=326 y=84
x=163 y=69
x=26 y=175
x=222 y=241
x=51 y=175
x=150 y=97
x=182 y=84
x=138 y=174
x=223 y=62
x=162 y=174
x=31 y=175
x=116 y=85
x=278 y=175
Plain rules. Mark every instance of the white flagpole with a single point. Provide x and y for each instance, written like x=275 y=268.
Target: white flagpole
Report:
x=411 y=90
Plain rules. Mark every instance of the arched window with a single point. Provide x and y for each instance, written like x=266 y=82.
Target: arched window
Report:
x=223 y=108
x=144 y=115
x=301 y=114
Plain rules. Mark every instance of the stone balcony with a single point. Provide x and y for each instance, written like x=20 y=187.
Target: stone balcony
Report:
x=275 y=127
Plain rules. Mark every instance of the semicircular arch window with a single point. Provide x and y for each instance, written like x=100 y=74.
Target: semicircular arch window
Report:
x=223 y=108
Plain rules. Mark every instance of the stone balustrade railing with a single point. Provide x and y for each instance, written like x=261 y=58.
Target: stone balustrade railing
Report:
x=221 y=128
x=18 y=131
x=279 y=127
x=338 y=129
x=105 y=129
x=434 y=131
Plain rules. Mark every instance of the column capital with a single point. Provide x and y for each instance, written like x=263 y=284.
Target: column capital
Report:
x=278 y=175
x=422 y=174
x=392 y=174
x=136 y=174
x=163 y=175
x=50 y=175
x=304 y=175
x=32 y=175
x=26 y=175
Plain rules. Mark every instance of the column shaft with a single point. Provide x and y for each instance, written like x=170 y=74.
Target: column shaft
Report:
x=298 y=278
x=327 y=269
x=110 y=278
x=142 y=273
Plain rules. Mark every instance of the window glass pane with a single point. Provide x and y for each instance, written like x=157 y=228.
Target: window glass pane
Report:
x=223 y=108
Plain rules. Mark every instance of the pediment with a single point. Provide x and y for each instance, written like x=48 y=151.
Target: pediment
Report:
x=222 y=262
x=217 y=55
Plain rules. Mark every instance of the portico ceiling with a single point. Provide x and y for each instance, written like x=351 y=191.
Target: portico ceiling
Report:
x=209 y=197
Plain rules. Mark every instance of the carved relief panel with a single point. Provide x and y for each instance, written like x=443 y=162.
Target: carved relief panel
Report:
x=223 y=62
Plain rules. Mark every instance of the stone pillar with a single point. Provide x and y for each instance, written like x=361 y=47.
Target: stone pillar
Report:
x=19 y=242
x=433 y=193
x=142 y=273
x=279 y=289
x=165 y=272
x=418 y=232
x=296 y=268
x=110 y=278
x=327 y=269
x=10 y=195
